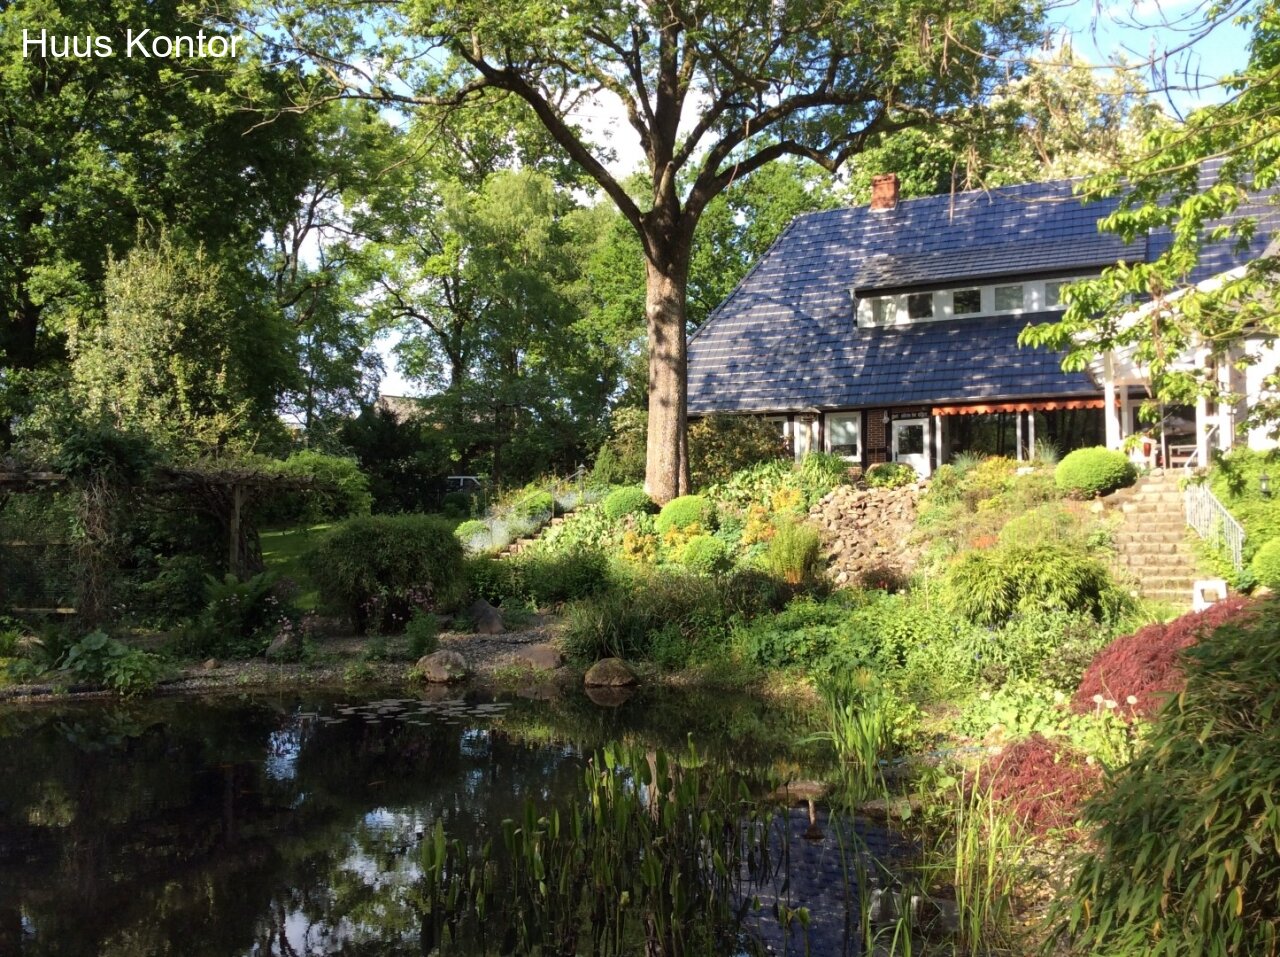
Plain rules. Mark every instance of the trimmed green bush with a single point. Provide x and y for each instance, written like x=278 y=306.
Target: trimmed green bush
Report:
x=1186 y=838
x=705 y=555
x=1095 y=471
x=631 y=500
x=686 y=511
x=1266 y=564
x=890 y=475
x=377 y=569
x=794 y=553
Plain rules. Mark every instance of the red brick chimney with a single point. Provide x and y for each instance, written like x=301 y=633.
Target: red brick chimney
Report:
x=884 y=191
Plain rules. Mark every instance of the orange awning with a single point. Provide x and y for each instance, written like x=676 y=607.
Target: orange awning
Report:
x=1035 y=405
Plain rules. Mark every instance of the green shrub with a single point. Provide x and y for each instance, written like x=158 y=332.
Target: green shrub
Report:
x=474 y=530
x=1186 y=837
x=720 y=445
x=685 y=512
x=1266 y=564
x=377 y=569
x=537 y=505
x=99 y=659
x=794 y=554
x=176 y=593
x=239 y=618
x=891 y=475
x=546 y=580
x=1236 y=478
x=422 y=633
x=819 y=473
x=1095 y=471
x=818 y=636
x=492 y=579
x=621 y=460
x=671 y=617
x=340 y=490
x=705 y=555
x=631 y=500
x=989 y=586
x=457 y=504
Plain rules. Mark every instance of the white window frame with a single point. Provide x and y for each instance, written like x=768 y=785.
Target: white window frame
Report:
x=1033 y=300
x=856 y=419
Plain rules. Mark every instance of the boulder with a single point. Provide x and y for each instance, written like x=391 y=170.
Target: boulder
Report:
x=609 y=697
x=609 y=673
x=540 y=657
x=209 y=665
x=488 y=619
x=442 y=667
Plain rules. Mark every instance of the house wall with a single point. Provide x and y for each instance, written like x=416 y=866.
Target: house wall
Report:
x=876 y=443
x=1254 y=375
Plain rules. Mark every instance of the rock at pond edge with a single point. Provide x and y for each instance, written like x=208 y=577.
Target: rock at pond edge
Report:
x=488 y=620
x=609 y=673
x=442 y=667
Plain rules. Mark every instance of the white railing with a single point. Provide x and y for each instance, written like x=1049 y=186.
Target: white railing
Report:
x=1213 y=522
x=1193 y=460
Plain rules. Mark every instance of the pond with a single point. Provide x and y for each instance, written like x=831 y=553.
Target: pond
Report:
x=307 y=824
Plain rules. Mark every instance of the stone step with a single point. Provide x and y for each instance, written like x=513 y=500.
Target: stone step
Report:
x=1149 y=536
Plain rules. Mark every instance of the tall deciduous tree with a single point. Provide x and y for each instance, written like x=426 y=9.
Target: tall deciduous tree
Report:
x=1174 y=187
x=712 y=89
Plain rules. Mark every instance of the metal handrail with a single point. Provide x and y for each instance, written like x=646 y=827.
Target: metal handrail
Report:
x=1188 y=464
x=1211 y=521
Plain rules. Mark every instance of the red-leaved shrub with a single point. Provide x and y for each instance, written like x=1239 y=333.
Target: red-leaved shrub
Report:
x=1144 y=665
x=1042 y=782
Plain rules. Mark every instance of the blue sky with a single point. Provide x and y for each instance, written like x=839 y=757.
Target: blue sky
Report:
x=1102 y=32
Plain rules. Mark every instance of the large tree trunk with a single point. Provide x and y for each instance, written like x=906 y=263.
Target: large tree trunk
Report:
x=667 y=459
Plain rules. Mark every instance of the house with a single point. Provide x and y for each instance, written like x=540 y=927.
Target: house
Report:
x=889 y=332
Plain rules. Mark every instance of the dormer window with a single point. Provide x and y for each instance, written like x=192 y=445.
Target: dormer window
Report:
x=920 y=305
x=1053 y=293
x=1009 y=298
x=966 y=302
x=883 y=310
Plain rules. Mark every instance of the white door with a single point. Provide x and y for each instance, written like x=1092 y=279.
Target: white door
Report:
x=804 y=437
x=843 y=430
x=911 y=444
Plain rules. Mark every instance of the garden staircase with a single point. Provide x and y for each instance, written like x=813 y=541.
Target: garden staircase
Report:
x=1153 y=544
x=520 y=544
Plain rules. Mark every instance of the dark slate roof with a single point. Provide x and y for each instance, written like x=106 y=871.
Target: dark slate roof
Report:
x=786 y=338
x=948 y=267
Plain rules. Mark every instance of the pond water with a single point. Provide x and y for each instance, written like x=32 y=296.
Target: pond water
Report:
x=295 y=824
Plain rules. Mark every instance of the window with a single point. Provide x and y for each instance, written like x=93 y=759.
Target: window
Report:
x=1009 y=298
x=880 y=310
x=966 y=302
x=920 y=305
x=1053 y=292
x=842 y=434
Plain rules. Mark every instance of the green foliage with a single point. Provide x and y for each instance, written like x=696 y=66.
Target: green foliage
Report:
x=239 y=618
x=103 y=660
x=674 y=618
x=631 y=500
x=541 y=579
x=474 y=530
x=794 y=554
x=685 y=512
x=341 y=490
x=586 y=527
x=178 y=352
x=720 y=445
x=1266 y=564
x=863 y=717
x=377 y=569
x=176 y=592
x=621 y=459
x=819 y=473
x=819 y=636
x=706 y=555
x=537 y=505
x=422 y=633
x=457 y=504
x=99 y=450
x=753 y=486
x=1186 y=852
x=1236 y=479
x=1095 y=471
x=989 y=586
x=891 y=475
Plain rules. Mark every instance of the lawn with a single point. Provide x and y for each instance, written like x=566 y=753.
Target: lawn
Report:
x=282 y=551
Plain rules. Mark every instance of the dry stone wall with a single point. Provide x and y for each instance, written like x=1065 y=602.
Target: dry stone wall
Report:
x=865 y=529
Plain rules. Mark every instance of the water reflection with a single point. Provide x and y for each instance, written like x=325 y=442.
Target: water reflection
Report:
x=285 y=825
